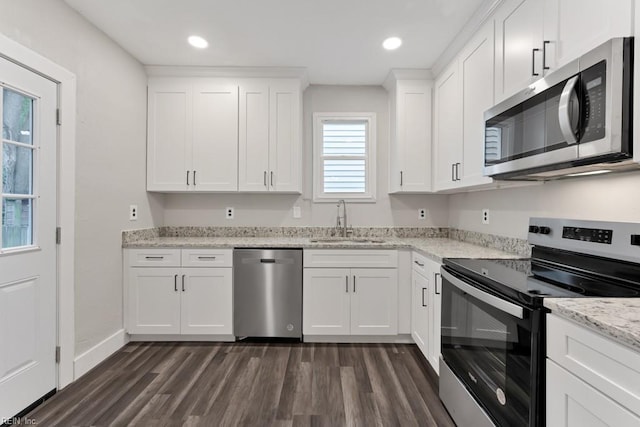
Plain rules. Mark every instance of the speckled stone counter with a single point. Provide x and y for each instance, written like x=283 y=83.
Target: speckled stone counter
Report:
x=618 y=318
x=434 y=248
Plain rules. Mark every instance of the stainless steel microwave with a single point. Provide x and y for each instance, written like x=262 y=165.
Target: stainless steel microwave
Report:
x=577 y=119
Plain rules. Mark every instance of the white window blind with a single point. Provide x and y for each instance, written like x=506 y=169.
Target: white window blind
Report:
x=344 y=152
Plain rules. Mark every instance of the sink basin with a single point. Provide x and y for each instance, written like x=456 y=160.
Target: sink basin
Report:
x=345 y=240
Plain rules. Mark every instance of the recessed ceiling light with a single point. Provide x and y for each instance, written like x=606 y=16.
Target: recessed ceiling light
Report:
x=598 y=172
x=392 y=43
x=197 y=41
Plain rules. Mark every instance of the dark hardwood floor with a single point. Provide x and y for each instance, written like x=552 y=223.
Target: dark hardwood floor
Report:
x=252 y=384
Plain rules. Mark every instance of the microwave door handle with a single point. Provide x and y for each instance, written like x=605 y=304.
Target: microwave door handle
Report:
x=564 y=110
x=493 y=301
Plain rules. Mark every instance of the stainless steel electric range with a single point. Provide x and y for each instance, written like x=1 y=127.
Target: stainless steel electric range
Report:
x=493 y=317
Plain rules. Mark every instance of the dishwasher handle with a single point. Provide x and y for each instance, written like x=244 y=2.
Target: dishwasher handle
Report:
x=267 y=260
x=256 y=260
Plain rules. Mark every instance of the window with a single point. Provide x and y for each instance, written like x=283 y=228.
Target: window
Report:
x=344 y=157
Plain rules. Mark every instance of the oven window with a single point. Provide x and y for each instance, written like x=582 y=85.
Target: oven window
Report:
x=490 y=352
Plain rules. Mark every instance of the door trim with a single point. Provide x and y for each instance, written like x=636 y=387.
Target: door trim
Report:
x=25 y=57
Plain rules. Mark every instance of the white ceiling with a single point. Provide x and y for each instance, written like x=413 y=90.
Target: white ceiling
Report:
x=338 y=41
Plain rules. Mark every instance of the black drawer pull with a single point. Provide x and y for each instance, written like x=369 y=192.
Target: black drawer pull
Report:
x=206 y=257
x=154 y=257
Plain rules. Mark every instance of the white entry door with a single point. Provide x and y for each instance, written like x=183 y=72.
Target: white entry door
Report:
x=28 y=250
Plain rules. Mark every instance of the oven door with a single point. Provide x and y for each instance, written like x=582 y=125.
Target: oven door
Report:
x=492 y=347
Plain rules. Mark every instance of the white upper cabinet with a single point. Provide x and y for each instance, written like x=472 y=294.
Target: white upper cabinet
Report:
x=192 y=136
x=215 y=137
x=285 y=137
x=224 y=135
x=476 y=68
x=410 y=152
x=518 y=46
x=447 y=128
x=464 y=91
x=573 y=27
x=533 y=37
x=270 y=137
x=169 y=133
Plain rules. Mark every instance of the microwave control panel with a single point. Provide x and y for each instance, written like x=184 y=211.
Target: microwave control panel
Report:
x=595 y=94
x=594 y=235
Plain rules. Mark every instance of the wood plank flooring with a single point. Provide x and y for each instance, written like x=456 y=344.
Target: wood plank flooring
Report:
x=252 y=384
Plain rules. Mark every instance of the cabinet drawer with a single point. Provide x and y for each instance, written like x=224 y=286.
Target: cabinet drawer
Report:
x=350 y=258
x=610 y=367
x=419 y=263
x=207 y=257
x=154 y=257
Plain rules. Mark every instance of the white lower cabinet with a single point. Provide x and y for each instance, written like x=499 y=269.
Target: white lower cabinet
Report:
x=426 y=307
x=349 y=301
x=175 y=300
x=591 y=379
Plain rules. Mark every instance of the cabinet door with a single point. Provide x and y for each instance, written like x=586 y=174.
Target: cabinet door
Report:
x=476 y=67
x=253 y=149
x=326 y=300
x=420 y=303
x=413 y=133
x=154 y=301
x=207 y=301
x=215 y=137
x=374 y=301
x=573 y=27
x=573 y=403
x=447 y=127
x=285 y=154
x=169 y=135
x=518 y=33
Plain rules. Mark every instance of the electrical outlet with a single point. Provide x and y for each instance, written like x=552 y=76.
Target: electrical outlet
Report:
x=228 y=213
x=422 y=213
x=133 y=212
x=485 y=216
x=296 y=212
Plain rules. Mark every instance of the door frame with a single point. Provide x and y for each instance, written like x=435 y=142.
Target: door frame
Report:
x=66 y=142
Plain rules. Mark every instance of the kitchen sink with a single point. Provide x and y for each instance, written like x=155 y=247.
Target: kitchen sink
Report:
x=345 y=240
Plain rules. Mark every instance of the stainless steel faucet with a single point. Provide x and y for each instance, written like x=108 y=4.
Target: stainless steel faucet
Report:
x=341 y=221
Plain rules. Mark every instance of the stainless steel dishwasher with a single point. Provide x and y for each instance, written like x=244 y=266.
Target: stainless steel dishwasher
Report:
x=267 y=293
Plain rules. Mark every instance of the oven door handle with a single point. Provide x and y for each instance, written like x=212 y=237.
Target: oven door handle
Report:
x=493 y=301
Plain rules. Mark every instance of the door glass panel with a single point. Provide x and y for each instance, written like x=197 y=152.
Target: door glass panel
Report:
x=17 y=169
x=18 y=152
x=17 y=120
x=17 y=222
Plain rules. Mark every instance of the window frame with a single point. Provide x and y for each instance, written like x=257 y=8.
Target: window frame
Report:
x=369 y=196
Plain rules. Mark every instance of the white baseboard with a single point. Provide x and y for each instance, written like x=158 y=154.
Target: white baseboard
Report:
x=99 y=352
x=360 y=339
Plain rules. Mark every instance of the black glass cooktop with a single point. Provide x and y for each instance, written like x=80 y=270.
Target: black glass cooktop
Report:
x=531 y=280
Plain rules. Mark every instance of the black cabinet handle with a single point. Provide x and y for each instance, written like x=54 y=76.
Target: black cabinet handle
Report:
x=453 y=171
x=187 y=177
x=183 y=283
x=272 y=178
x=419 y=263
x=423 y=304
x=401 y=179
x=175 y=283
x=544 y=54
x=264 y=178
x=533 y=62
x=354 y=284
x=436 y=284
x=206 y=257
x=194 y=177
x=458 y=171
x=346 y=284
x=154 y=257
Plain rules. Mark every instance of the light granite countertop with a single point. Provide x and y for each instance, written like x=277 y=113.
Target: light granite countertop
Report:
x=434 y=248
x=618 y=318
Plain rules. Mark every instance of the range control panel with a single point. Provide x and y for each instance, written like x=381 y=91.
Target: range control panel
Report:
x=596 y=235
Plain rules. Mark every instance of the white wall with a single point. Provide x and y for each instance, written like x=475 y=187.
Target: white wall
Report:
x=110 y=151
x=276 y=210
x=607 y=198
